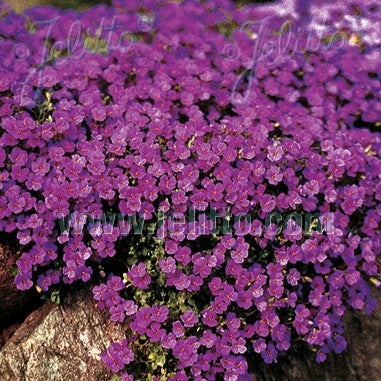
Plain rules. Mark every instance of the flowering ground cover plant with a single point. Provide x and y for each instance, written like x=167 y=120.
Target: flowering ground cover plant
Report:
x=215 y=170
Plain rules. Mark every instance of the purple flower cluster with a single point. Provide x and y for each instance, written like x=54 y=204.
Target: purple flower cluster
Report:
x=118 y=355
x=168 y=107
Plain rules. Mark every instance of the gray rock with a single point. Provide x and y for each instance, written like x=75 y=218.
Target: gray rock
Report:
x=60 y=343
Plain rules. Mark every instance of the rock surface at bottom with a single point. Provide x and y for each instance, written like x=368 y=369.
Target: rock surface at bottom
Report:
x=64 y=343
x=60 y=343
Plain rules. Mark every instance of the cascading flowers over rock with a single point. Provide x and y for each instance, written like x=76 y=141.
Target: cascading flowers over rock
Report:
x=216 y=170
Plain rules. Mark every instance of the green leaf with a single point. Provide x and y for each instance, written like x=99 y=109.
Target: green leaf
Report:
x=55 y=297
x=14 y=270
x=160 y=361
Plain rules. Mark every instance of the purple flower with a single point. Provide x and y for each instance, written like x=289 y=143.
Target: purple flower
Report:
x=209 y=318
x=159 y=314
x=293 y=277
x=178 y=329
x=168 y=341
x=23 y=281
x=189 y=318
x=139 y=276
x=155 y=332
x=267 y=203
x=270 y=354
x=117 y=313
x=275 y=152
x=44 y=282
